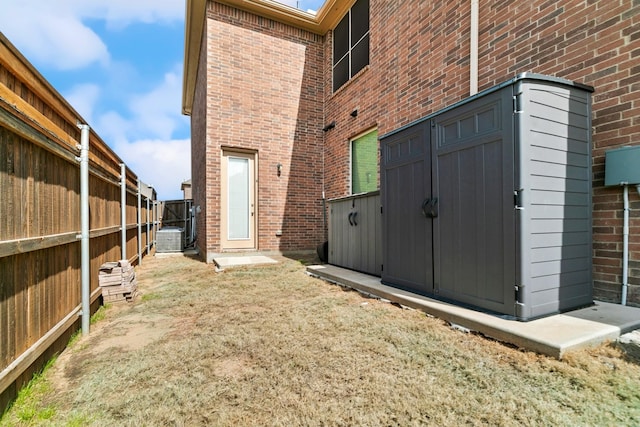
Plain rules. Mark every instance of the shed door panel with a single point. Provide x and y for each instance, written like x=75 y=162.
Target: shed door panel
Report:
x=474 y=233
x=407 y=232
x=341 y=234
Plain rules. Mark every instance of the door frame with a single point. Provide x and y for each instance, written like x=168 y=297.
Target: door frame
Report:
x=239 y=244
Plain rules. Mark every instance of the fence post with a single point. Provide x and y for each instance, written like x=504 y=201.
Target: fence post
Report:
x=148 y=226
x=123 y=208
x=139 y=221
x=156 y=221
x=85 y=264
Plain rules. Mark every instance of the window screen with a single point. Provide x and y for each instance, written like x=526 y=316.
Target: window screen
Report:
x=341 y=40
x=364 y=163
x=351 y=44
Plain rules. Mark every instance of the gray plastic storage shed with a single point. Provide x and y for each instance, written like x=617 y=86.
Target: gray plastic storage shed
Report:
x=488 y=203
x=355 y=232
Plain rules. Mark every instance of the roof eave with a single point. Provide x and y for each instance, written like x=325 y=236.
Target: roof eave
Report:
x=195 y=17
x=195 y=14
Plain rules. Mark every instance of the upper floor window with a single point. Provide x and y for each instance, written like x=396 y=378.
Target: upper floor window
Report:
x=351 y=44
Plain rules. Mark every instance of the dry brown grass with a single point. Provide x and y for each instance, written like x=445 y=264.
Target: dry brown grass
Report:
x=268 y=345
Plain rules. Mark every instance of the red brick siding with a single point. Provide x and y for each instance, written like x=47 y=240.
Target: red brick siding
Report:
x=198 y=156
x=420 y=64
x=264 y=93
x=410 y=75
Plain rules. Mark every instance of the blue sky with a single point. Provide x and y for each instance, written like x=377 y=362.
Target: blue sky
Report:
x=119 y=64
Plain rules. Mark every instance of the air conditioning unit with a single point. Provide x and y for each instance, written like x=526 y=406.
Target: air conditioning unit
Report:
x=170 y=239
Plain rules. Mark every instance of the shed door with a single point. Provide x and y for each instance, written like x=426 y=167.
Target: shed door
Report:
x=238 y=217
x=475 y=231
x=407 y=231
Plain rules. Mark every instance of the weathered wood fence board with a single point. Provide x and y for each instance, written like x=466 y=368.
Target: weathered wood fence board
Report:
x=40 y=250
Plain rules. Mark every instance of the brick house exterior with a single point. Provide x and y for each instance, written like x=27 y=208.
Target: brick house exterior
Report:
x=419 y=63
x=260 y=90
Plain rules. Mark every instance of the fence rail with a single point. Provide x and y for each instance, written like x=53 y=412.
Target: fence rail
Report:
x=40 y=224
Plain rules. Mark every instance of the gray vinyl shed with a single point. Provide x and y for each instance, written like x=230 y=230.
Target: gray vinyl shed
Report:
x=487 y=203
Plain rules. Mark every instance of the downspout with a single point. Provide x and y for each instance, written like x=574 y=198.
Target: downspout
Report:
x=473 y=49
x=84 y=228
x=625 y=244
x=192 y=213
x=325 y=227
x=123 y=209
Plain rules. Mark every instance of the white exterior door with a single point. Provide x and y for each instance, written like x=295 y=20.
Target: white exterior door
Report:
x=238 y=216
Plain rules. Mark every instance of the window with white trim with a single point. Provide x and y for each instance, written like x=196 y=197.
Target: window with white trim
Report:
x=351 y=44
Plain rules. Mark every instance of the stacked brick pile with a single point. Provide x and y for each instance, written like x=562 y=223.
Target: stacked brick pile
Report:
x=118 y=281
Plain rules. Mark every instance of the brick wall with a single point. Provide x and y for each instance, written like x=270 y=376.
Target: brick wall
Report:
x=264 y=94
x=420 y=64
x=410 y=75
x=198 y=156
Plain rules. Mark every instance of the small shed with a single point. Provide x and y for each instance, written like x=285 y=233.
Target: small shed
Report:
x=487 y=203
x=355 y=232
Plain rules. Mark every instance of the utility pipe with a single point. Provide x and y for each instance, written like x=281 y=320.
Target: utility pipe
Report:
x=139 y=220
x=193 y=225
x=85 y=264
x=123 y=209
x=625 y=244
x=473 y=53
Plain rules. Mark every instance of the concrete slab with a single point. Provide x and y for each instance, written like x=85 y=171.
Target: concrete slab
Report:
x=186 y=252
x=553 y=335
x=230 y=261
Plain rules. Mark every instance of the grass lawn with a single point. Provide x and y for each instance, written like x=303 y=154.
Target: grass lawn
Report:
x=269 y=345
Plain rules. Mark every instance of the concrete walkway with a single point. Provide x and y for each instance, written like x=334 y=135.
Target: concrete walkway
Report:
x=552 y=335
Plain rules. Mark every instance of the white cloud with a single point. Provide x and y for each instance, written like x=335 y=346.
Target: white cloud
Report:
x=51 y=35
x=83 y=98
x=164 y=164
x=144 y=138
x=154 y=114
x=52 y=32
x=142 y=128
x=158 y=111
x=120 y=13
x=113 y=128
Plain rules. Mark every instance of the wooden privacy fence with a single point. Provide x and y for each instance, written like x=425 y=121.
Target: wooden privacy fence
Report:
x=40 y=224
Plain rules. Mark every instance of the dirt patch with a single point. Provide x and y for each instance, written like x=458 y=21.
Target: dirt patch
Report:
x=131 y=333
x=125 y=330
